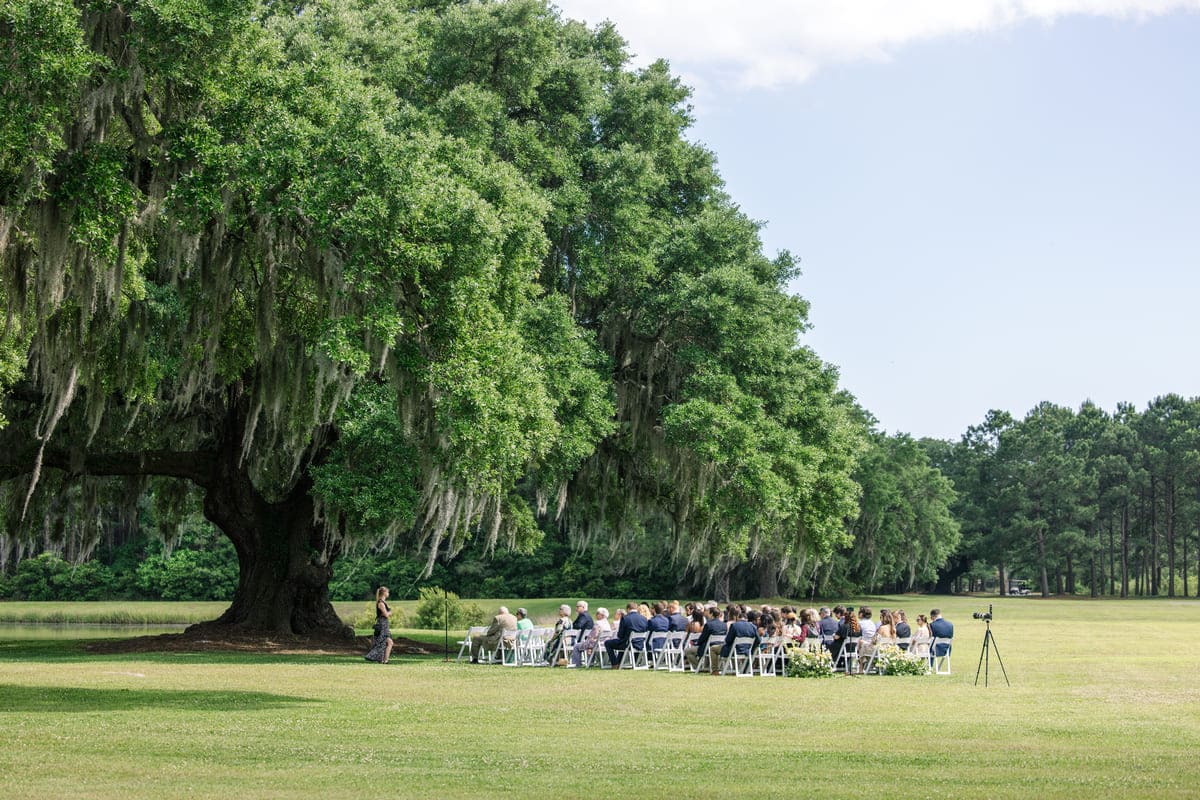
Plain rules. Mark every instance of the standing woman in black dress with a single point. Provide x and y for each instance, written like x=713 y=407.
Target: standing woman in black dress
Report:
x=381 y=648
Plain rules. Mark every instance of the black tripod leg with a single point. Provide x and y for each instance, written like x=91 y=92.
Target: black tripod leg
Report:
x=982 y=658
x=999 y=660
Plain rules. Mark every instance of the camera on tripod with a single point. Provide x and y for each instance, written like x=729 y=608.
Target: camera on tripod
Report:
x=986 y=616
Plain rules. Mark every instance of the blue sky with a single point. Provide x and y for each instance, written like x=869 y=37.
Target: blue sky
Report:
x=991 y=208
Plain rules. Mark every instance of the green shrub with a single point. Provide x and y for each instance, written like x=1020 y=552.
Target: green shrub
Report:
x=34 y=578
x=805 y=663
x=190 y=575
x=436 y=608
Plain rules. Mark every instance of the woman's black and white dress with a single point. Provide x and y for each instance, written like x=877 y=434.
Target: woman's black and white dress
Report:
x=382 y=633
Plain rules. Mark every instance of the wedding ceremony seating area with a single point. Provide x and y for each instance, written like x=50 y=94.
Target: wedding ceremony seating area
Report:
x=697 y=639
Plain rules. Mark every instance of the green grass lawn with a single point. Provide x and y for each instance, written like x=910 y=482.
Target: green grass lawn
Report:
x=1104 y=702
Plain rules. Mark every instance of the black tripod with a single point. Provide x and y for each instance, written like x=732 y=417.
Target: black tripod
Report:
x=989 y=644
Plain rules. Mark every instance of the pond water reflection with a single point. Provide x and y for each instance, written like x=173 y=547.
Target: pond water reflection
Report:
x=75 y=630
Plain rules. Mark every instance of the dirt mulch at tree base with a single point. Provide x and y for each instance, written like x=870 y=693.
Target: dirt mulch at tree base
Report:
x=212 y=639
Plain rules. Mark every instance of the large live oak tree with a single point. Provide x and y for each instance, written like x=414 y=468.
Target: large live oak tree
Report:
x=390 y=273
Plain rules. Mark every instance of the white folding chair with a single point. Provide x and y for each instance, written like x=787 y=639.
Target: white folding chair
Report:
x=598 y=657
x=869 y=666
x=464 y=648
x=655 y=645
x=670 y=657
x=505 y=651
x=769 y=654
x=848 y=656
x=636 y=652
x=940 y=664
x=741 y=664
x=526 y=639
x=566 y=643
x=705 y=663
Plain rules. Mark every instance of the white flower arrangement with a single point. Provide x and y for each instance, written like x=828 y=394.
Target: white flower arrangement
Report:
x=891 y=660
x=805 y=663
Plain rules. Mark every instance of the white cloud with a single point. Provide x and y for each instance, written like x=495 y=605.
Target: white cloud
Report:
x=768 y=43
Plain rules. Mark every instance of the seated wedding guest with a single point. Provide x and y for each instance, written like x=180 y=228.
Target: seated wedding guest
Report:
x=941 y=628
x=633 y=622
x=599 y=632
x=809 y=619
x=561 y=624
x=696 y=623
x=741 y=628
x=732 y=612
x=617 y=616
x=921 y=637
x=868 y=624
x=766 y=624
x=712 y=636
x=644 y=610
x=583 y=620
x=886 y=632
x=903 y=629
x=847 y=629
x=828 y=623
x=659 y=625
x=678 y=621
x=503 y=624
x=524 y=623
x=793 y=630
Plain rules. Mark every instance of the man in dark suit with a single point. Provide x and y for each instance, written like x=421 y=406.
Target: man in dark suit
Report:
x=741 y=628
x=633 y=622
x=583 y=620
x=941 y=629
x=711 y=635
x=678 y=621
x=659 y=626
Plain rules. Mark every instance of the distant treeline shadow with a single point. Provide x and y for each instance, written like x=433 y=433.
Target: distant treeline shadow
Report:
x=15 y=698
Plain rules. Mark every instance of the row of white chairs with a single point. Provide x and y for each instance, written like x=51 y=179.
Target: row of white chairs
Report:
x=665 y=651
x=522 y=648
x=852 y=653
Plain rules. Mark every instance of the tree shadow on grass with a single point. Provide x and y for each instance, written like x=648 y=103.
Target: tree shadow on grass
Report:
x=72 y=651
x=71 y=699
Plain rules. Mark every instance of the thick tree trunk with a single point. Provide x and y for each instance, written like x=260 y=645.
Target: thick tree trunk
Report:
x=284 y=563
x=1003 y=578
x=954 y=568
x=767 y=577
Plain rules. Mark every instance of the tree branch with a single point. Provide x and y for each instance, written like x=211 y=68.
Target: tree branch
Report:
x=196 y=465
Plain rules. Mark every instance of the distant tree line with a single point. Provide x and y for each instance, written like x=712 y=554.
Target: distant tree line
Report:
x=1078 y=501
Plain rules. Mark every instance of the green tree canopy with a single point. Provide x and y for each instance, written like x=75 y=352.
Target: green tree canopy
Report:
x=389 y=272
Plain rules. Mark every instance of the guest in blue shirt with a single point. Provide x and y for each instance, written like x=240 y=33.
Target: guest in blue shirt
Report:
x=941 y=629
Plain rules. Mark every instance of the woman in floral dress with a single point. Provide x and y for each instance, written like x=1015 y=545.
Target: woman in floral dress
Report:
x=381 y=647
